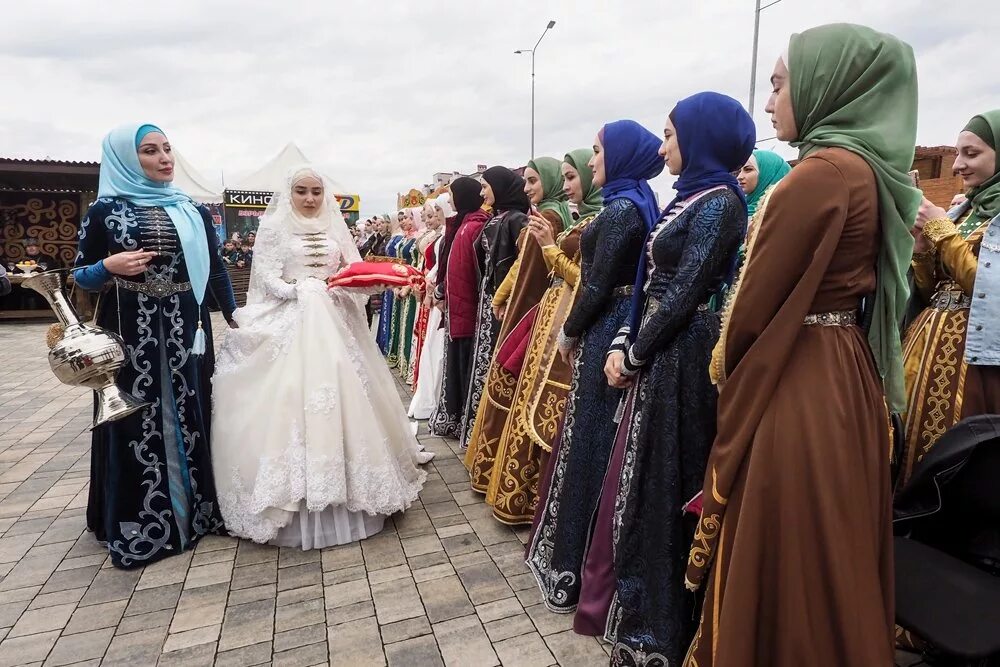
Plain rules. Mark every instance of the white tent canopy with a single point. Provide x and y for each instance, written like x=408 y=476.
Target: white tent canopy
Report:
x=191 y=182
x=265 y=178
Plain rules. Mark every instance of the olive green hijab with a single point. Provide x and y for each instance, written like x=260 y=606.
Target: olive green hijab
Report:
x=985 y=197
x=855 y=88
x=593 y=201
x=553 y=198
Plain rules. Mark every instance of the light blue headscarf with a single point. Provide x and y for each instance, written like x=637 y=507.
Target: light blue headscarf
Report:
x=122 y=176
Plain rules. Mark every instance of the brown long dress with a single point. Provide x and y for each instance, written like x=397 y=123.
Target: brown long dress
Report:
x=539 y=402
x=795 y=535
x=498 y=393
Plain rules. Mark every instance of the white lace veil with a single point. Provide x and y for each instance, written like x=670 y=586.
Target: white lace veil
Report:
x=281 y=219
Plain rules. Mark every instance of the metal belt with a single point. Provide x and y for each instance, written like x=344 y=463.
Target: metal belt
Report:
x=624 y=291
x=844 y=318
x=950 y=300
x=157 y=288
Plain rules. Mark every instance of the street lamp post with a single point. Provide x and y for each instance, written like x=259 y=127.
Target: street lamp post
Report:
x=753 y=62
x=532 y=52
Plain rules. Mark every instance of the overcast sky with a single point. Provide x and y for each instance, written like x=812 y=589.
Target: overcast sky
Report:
x=387 y=93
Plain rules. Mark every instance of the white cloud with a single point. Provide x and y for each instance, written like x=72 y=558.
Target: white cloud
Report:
x=387 y=93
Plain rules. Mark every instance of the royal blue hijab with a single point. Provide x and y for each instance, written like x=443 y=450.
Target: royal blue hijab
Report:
x=631 y=158
x=716 y=137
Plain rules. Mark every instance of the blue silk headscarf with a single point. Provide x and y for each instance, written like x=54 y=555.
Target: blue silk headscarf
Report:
x=122 y=176
x=631 y=158
x=716 y=137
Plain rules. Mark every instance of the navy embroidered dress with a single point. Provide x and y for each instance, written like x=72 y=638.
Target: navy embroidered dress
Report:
x=662 y=444
x=151 y=489
x=610 y=248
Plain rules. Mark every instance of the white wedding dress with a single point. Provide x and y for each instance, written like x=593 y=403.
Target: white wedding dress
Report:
x=310 y=444
x=431 y=362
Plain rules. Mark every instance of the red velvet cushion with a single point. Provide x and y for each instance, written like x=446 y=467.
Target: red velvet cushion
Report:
x=370 y=274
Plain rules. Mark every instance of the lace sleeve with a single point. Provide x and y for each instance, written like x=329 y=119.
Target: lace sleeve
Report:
x=711 y=238
x=268 y=264
x=616 y=227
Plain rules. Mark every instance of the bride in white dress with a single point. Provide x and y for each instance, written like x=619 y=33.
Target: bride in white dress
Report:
x=311 y=446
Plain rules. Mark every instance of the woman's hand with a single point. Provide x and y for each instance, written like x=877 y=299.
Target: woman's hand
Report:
x=613 y=371
x=130 y=263
x=928 y=211
x=500 y=311
x=539 y=228
x=567 y=352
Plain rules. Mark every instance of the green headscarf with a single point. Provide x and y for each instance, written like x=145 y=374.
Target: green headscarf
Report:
x=855 y=88
x=553 y=198
x=985 y=197
x=771 y=168
x=592 y=199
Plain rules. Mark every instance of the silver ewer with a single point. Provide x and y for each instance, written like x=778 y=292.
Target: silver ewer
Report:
x=87 y=356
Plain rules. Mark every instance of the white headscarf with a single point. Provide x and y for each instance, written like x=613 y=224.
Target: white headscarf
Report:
x=444 y=203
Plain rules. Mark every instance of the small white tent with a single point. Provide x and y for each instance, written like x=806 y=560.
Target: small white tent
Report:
x=193 y=183
x=265 y=178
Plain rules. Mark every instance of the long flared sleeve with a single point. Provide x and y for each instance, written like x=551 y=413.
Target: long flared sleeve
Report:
x=620 y=222
x=219 y=285
x=955 y=253
x=268 y=265
x=507 y=286
x=561 y=264
x=925 y=278
x=92 y=247
x=713 y=235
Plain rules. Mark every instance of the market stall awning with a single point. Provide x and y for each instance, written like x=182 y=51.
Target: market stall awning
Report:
x=48 y=175
x=191 y=182
x=272 y=173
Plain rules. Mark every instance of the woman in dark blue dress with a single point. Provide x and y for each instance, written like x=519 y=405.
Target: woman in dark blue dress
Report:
x=151 y=489
x=625 y=158
x=633 y=576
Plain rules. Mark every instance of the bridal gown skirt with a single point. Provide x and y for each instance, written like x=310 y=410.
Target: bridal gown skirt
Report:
x=311 y=446
x=431 y=365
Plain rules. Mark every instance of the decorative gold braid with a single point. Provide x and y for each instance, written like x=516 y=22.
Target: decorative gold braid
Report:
x=717 y=368
x=938 y=229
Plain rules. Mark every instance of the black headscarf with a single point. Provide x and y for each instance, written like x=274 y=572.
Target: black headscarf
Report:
x=467 y=198
x=508 y=190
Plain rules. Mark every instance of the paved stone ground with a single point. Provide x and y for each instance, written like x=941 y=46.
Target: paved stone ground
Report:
x=443 y=584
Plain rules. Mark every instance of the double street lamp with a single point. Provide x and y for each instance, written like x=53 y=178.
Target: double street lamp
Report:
x=532 y=52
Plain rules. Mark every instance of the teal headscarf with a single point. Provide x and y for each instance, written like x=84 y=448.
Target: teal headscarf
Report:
x=592 y=198
x=771 y=168
x=553 y=198
x=122 y=176
x=843 y=78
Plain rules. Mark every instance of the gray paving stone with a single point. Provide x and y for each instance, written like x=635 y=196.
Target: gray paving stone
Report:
x=351 y=612
x=310 y=634
x=303 y=656
x=71 y=649
x=512 y=626
x=299 y=575
x=251 y=553
x=461 y=544
x=396 y=601
x=492 y=611
x=25 y=650
x=66 y=579
x=300 y=594
x=154 y=599
x=96 y=617
x=464 y=642
x=484 y=583
x=570 y=648
x=42 y=620
x=165 y=572
x=299 y=615
x=355 y=643
x=520 y=582
x=188 y=638
x=72 y=596
x=421 y=545
x=207 y=575
x=524 y=651
x=130 y=624
x=244 y=595
x=455 y=529
x=337 y=558
x=340 y=595
x=382 y=551
x=407 y=629
x=200 y=607
x=19 y=594
x=212 y=557
x=444 y=599
x=255 y=575
x=433 y=572
x=416 y=652
x=255 y=654
x=247 y=624
x=11 y=611
x=443 y=509
x=111 y=585
x=290 y=556
x=547 y=622
x=428 y=560
x=345 y=574
x=201 y=655
x=412 y=523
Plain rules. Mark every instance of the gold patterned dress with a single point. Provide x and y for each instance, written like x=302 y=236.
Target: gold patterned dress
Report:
x=942 y=388
x=539 y=402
